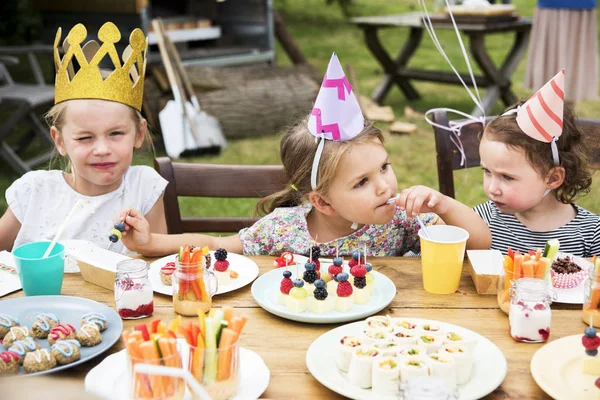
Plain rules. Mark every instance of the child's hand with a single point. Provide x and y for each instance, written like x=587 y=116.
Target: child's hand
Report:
x=420 y=199
x=137 y=236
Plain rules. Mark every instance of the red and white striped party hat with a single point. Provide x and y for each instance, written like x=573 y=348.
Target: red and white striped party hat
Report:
x=541 y=117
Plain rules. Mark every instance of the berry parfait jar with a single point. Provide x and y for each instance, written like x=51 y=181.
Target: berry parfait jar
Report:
x=133 y=291
x=530 y=314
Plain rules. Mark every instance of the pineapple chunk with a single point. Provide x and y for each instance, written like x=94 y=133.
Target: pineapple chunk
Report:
x=591 y=365
x=361 y=296
x=343 y=304
x=320 y=306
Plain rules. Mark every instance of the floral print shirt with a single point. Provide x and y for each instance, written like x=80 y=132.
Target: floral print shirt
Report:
x=285 y=229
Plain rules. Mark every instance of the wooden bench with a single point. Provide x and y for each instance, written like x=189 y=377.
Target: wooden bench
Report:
x=215 y=180
x=449 y=158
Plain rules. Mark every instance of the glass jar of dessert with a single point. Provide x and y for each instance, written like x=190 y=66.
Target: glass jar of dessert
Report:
x=530 y=314
x=133 y=291
x=193 y=287
x=591 y=298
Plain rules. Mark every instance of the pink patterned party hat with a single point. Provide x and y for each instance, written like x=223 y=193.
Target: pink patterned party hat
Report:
x=336 y=114
x=541 y=117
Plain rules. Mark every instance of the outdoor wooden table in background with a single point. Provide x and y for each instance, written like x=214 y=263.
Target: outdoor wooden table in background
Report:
x=282 y=343
x=495 y=78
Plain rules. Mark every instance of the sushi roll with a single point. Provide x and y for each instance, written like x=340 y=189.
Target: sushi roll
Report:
x=431 y=343
x=456 y=338
x=463 y=361
x=386 y=376
x=347 y=346
x=431 y=329
x=405 y=324
x=404 y=336
x=412 y=351
x=361 y=365
x=443 y=366
x=379 y=322
x=372 y=336
x=412 y=368
x=388 y=348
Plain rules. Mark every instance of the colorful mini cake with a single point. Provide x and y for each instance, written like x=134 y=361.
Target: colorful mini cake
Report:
x=344 y=300
x=166 y=273
x=42 y=325
x=89 y=335
x=9 y=363
x=221 y=267
x=320 y=303
x=22 y=347
x=309 y=276
x=7 y=322
x=95 y=318
x=61 y=332
x=38 y=361
x=361 y=293
x=15 y=333
x=297 y=301
x=65 y=351
x=284 y=288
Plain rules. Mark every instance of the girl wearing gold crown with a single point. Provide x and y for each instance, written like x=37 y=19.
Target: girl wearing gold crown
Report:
x=534 y=167
x=342 y=192
x=96 y=125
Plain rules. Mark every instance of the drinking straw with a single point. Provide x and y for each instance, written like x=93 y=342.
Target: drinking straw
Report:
x=79 y=202
x=423 y=227
x=199 y=391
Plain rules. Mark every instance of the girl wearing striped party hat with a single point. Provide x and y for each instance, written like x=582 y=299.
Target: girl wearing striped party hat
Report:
x=534 y=168
x=341 y=191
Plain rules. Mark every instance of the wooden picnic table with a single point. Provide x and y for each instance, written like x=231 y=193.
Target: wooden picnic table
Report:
x=496 y=78
x=282 y=343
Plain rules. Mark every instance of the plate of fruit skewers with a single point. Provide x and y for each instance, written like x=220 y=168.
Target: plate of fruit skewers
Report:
x=233 y=271
x=337 y=291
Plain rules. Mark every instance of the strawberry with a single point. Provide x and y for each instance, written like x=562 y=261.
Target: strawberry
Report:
x=221 y=265
x=590 y=343
x=286 y=285
x=358 y=271
x=344 y=289
x=279 y=262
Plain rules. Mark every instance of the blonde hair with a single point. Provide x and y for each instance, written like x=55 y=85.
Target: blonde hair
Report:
x=55 y=117
x=297 y=150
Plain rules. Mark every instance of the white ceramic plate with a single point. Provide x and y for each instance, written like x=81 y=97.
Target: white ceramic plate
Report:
x=266 y=289
x=557 y=368
x=573 y=295
x=110 y=379
x=245 y=267
x=488 y=373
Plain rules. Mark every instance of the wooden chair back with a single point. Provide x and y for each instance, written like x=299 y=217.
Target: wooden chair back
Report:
x=214 y=180
x=449 y=158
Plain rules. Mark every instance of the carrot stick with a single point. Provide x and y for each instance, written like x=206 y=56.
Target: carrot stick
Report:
x=242 y=323
x=538 y=254
x=165 y=351
x=528 y=268
x=518 y=262
x=594 y=259
x=137 y=335
x=196 y=290
x=150 y=354
x=228 y=340
x=200 y=282
x=526 y=257
x=174 y=352
x=201 y=320
x=142 y=385
x=508 y=271
x=125 y=336
x=198 y=360
x=227 y=313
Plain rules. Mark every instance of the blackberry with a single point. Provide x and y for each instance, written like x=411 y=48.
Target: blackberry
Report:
x=310 y=276
x=360 y=282
x=316 y=252
x=221 y=254
x=320 y=294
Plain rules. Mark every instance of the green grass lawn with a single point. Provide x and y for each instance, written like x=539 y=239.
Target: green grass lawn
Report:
x=321 y=29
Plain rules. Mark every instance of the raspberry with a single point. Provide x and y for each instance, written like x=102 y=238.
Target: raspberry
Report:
x=344 y=289
x=358 y=271
x=317 y=264
x=221 y=254
x=590 y=343
x=286 y=285
x=334 y=269
x=310 y=276
x=221 y=265
x=352 y=263
x=545 y=333
x=539 y=306
x=360 y=281
x=316 y=252
x=320 y=294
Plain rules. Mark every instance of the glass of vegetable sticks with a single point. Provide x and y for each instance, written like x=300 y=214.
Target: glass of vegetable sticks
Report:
x=193 y=286
x=591 y=295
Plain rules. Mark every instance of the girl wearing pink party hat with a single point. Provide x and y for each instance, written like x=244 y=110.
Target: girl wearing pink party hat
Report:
x=534 y=168
x=340 y=193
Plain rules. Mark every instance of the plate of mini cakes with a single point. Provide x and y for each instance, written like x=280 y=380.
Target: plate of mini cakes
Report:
x=375 y=358
x=335 y=293
x=44 y=334
x=233 y=271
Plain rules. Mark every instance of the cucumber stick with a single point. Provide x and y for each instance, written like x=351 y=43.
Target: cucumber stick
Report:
x=210 y=357
x=551 y=249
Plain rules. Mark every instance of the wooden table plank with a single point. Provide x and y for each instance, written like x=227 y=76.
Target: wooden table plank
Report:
x=283 y=343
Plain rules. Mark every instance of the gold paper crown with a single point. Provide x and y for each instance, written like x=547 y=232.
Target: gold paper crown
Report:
x=125 y=84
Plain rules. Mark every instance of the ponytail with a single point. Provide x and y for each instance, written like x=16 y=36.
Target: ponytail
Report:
x=288 y=197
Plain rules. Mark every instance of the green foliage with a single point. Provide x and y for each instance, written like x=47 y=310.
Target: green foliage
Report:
x=19 y=24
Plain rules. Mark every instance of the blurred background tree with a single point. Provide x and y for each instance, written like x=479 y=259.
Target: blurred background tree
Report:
x=19 y=24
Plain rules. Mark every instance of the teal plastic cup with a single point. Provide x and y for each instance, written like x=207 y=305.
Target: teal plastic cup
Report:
x=40 y=276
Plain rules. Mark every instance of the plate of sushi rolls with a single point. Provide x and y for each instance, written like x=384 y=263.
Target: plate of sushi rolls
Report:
x=380 y=356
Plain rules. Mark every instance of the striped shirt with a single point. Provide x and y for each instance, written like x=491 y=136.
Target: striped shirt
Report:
x=580 y=236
